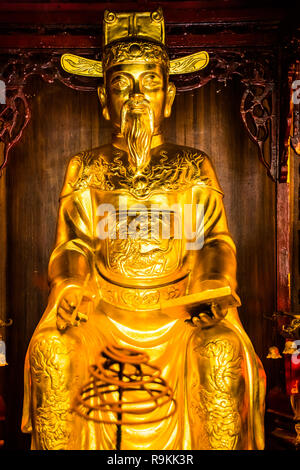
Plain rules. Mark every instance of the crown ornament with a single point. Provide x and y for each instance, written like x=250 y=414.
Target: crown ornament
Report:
x=133 y=37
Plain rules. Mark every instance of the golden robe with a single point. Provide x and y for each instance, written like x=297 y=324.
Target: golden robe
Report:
x=216 y=377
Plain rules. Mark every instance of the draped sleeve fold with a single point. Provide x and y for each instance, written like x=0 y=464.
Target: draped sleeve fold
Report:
x=72 y=257
x=216 y=260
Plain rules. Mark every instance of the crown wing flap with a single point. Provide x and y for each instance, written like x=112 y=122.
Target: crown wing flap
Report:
x=92 y=68
x=81 y=66
x=189 y=64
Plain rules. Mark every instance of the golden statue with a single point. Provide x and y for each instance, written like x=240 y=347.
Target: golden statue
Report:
x=140 y=346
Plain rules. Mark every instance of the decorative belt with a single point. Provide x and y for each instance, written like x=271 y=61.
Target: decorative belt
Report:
x=142 y=298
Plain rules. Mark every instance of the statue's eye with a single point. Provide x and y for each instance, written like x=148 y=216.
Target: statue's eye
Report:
x=120 y=82
x=151 y=80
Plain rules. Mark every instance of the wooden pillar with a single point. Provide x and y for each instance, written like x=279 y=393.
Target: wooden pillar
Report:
x=3 y=257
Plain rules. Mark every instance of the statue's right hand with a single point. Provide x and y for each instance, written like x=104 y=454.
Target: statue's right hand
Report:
x=73 y=307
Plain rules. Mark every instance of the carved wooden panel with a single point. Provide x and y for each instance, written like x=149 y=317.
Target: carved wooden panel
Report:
x=257 y=107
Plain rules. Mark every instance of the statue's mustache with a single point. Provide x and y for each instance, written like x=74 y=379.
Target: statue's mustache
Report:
x=137 y=127
x=137 y=104
x=132 y=109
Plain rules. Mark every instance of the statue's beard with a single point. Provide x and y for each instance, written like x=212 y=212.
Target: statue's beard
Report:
x=137 y=127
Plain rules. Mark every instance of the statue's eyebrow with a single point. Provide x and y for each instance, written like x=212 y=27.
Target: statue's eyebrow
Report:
x=151 y=72
x=115 y=74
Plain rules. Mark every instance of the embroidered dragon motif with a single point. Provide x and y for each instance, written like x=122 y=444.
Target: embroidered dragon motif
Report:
x=161 y=174
x=216 y=403
x=53 y=413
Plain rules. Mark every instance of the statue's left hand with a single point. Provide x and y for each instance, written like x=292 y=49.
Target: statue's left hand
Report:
x=73 y=307
x=207 y=315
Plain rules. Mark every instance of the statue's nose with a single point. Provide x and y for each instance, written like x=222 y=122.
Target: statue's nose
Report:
x=137 y=97
x=136 y=88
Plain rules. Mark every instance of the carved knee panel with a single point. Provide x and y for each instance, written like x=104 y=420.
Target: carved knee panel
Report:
x=50 y=373
x=218 y=393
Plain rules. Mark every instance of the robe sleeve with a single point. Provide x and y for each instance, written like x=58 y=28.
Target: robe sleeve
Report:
x=72 y=257
x=216 y=259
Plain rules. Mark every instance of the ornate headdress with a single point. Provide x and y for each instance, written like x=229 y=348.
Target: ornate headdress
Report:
x=133 y=37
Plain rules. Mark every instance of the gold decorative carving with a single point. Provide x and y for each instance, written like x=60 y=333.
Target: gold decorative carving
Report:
x=53 y=415
x=135 y=37
x=137 y=299
x=220 y=407
x=81 y=66
x=165 y=174
x=109 y=17
x=274 y=353
x=135 y=52
x=189 y=64
x=123 y=25
x=140 y=298
x=292 y=330
x=144 y=255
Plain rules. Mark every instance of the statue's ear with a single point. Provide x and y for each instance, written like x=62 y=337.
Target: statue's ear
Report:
x=103 y=101
x=171 y=92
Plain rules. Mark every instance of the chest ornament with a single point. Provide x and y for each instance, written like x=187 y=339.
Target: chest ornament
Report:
x=162 y=174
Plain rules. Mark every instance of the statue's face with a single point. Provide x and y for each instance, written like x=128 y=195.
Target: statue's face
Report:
x=137 y=85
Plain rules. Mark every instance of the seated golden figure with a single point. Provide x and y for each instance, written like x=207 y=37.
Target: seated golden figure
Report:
x=143 y=261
